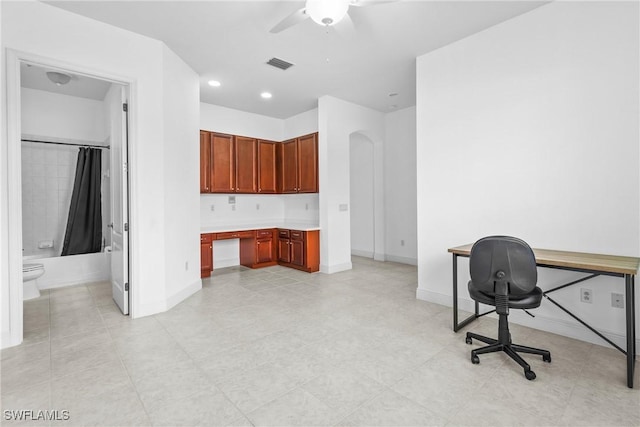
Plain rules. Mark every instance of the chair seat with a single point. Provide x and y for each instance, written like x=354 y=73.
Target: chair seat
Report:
x=530 y=300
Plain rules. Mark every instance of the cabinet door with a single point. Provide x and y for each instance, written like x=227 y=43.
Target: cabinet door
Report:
x=206 y=259
x=308 y=163
x=297 y=252
x=264 y=250
x=246 y=165
x=284 y=254
x=223 y=172
x=205 y=162
x=287 y=166
x=267 y=167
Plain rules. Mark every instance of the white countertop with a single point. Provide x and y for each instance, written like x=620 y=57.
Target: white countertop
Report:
x=221 y=228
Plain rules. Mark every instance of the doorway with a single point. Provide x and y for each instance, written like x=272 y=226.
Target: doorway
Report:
x=115 y=247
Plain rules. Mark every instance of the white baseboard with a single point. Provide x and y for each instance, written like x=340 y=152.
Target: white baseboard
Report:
x=365 y=254
x=557 y=326
x=336 y=268
x=6 y=340
x=225 y=262
x=183 y=294
x=401 y=259
x=170 y=302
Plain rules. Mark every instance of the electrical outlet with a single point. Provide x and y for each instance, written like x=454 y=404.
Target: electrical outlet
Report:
x=401 y=242
x=213 y=208
x=186 y=266
x=257 y=206
x=617 y=300
x=306 y=206
x=586 y=295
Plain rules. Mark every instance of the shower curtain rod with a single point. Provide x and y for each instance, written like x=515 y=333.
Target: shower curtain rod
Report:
x=66 y=143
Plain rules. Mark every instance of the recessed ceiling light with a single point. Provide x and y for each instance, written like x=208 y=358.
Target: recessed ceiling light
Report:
x=266 y=95
x=214 y=83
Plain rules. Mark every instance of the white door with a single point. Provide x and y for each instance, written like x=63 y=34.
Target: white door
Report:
x=119 y=198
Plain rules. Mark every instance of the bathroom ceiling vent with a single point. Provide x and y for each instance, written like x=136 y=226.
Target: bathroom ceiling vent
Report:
x=279 y=63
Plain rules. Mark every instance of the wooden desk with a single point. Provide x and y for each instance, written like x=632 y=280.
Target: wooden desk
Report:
x=594 y=265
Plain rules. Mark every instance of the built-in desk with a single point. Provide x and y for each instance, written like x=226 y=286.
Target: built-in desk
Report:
x=592 y=264
x=295 y=245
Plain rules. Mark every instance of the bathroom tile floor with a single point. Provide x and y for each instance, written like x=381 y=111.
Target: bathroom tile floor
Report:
x=278 y=347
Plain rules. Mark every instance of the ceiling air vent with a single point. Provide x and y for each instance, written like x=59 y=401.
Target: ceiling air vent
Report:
x=279 y=63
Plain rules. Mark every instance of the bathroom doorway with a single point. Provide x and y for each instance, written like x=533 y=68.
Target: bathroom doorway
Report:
x=44 y=151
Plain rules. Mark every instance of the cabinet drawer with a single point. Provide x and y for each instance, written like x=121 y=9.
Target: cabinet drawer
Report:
x=297 y=235
x=264 y=233
x=283 y=234
x=234 y=235
x=206 y=238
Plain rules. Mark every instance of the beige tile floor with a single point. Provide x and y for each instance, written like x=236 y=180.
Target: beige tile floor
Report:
x=278 y=347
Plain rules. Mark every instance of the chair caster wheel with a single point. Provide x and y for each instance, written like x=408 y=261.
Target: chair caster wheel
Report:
x=530 y=375
x=468 y=340
x=546 y=358
x=475 y=359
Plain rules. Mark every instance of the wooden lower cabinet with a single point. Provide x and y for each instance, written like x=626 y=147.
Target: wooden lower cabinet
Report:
x=206 y=255
x=266 y=247
x=299 y=249
x=259 y=250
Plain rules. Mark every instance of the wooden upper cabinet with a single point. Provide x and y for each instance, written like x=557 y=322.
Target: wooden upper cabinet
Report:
x=205 y=162
x=246 y=162
x=288 y=166
x=237 y=164
x=223 y=173
x=267 y=182
x=308 y=163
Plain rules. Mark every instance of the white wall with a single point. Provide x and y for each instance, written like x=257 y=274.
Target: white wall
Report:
x=300 y=124
x=227 y=120
x=337 y=120
x=181 y=90
x=38 y=30
x=530 y=128
x=51 y=114
x=361 y=194
x=400 y=205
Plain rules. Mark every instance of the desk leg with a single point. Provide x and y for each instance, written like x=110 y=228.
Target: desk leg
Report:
x=457 y=326
x=631 y=326
x=455 y=293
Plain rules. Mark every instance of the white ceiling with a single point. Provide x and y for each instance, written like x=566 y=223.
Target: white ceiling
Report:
x=35 y=77
x=230 y=41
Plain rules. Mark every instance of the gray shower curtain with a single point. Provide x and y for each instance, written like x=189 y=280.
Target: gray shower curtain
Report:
x=84 y=226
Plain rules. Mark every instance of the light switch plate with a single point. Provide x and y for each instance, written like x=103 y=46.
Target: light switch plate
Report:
x=232 y=200
x=343 y=207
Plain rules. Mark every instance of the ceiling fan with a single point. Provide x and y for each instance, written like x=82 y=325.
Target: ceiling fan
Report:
x=324 y=12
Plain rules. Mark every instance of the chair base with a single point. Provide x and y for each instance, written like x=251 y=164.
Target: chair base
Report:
x=503 y=343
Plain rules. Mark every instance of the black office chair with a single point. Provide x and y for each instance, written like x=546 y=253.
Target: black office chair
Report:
x=503 y=274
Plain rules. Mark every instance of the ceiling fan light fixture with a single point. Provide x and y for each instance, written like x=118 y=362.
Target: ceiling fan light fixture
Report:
x=58 y=78
x=327 y=12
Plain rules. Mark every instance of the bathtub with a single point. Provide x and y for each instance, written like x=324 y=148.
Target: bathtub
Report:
x=72 y=270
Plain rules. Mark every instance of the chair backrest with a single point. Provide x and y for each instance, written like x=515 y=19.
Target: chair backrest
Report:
x=503 y=259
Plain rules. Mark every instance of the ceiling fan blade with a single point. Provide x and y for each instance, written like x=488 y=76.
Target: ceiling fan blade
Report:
x=363 y=3
x=294 y=19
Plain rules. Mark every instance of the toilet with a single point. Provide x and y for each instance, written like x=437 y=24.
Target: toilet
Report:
x=30 y=275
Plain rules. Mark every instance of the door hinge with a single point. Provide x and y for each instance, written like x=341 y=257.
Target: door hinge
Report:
x=126 y=286
x=125 y=107
x=126 y=226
